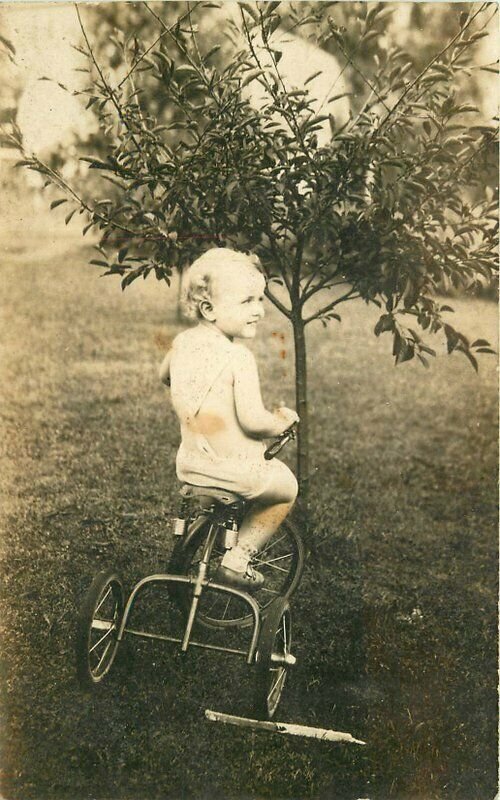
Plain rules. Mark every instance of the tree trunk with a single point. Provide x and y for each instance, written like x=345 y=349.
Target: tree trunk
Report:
x=178 y=310
x=301 y=404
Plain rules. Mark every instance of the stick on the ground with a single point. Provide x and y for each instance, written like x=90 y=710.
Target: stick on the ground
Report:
x=282 y=727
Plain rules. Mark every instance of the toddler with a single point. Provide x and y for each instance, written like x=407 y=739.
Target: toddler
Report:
x=216 y=396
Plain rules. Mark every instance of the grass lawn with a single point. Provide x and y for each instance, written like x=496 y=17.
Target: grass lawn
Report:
x=395 y=622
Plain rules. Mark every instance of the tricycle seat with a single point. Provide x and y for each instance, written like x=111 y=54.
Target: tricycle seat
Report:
x=188 y=491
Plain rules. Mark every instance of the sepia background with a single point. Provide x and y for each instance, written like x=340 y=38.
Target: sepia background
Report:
x=395 y=622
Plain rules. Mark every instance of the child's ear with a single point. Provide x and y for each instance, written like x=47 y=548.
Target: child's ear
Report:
x=207 y=310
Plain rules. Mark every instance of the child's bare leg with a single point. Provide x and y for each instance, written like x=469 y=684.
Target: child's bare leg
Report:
x=260 y=523
x=263 y=518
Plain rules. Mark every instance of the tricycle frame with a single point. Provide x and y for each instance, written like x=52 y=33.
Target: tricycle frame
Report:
x=186 y=640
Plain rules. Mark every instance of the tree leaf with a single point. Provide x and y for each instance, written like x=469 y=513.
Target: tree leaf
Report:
x=466 y=108
x=406 y=352
x=248 y=8
x=338 y=96
x=452 y=338
x=131 y=276
x=274 y=23
x=185 y=71
x=478 y=35
x=95 y=163
x=56 y=203
x=211 y=52
x=251 y=76
x=469 y=356
x=313 y=76
x=8 y=44
x=385 y=323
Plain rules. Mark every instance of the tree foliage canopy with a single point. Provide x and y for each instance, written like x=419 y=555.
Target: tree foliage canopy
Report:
x=384 y=210
x=390 y=209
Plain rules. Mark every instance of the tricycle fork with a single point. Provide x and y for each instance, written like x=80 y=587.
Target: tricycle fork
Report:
x=198 y=585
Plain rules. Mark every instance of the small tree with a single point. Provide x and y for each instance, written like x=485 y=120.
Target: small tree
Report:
x=382 y=213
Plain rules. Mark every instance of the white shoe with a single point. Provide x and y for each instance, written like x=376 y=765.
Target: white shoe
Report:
x=251 y=580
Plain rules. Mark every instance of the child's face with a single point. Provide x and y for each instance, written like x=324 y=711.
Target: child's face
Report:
x=237 y=302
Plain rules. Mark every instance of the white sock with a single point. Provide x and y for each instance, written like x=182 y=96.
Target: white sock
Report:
x=237 y=558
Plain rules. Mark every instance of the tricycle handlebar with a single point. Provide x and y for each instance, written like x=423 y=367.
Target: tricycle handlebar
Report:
x=280 y=442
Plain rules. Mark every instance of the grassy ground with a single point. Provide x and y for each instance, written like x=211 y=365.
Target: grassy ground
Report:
x=395 y=622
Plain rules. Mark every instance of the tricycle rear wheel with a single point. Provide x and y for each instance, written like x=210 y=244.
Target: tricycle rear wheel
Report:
x=98 y=623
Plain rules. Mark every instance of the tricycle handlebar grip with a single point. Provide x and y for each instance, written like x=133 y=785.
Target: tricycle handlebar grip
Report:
x=282 y=440
x=273 y=450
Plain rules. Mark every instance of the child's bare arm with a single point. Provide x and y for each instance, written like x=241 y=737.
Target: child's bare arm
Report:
x=164 y=371
x=252 y=415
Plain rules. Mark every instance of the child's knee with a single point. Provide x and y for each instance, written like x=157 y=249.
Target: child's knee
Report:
x=285 y=487
x=292 y=487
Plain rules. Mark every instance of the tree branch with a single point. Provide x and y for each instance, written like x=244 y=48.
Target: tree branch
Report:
x=362 y=75
x=457 y=56
x=217 y=100
x=322 y=285
x=486 y=141
x=415 y=82
x=59 y=181
x=428 y=66
x=148 y=50
x=277 y=258
x=350 y=295
x=193 y=37
x=108 y=88
x=284 y=310
x=295 y=129
x=183 y=50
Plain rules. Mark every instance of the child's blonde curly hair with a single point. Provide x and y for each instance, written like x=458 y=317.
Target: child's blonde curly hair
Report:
x=200 y=276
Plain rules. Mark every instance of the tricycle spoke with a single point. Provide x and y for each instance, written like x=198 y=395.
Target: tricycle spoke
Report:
x=273 y=560
x=277 y=684
x=226 y=608
x=103 y=655
x=273 y=543
x=104 y=599
x=285 y=638
x=216 y=600
x=105 y=636
x=271 y=566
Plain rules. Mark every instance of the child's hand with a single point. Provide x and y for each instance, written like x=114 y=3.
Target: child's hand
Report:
x=286 y=417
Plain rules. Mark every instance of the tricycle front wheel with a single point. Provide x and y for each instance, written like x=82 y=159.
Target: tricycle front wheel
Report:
x=281 y=562
x=273 y=658
x=98 y=622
